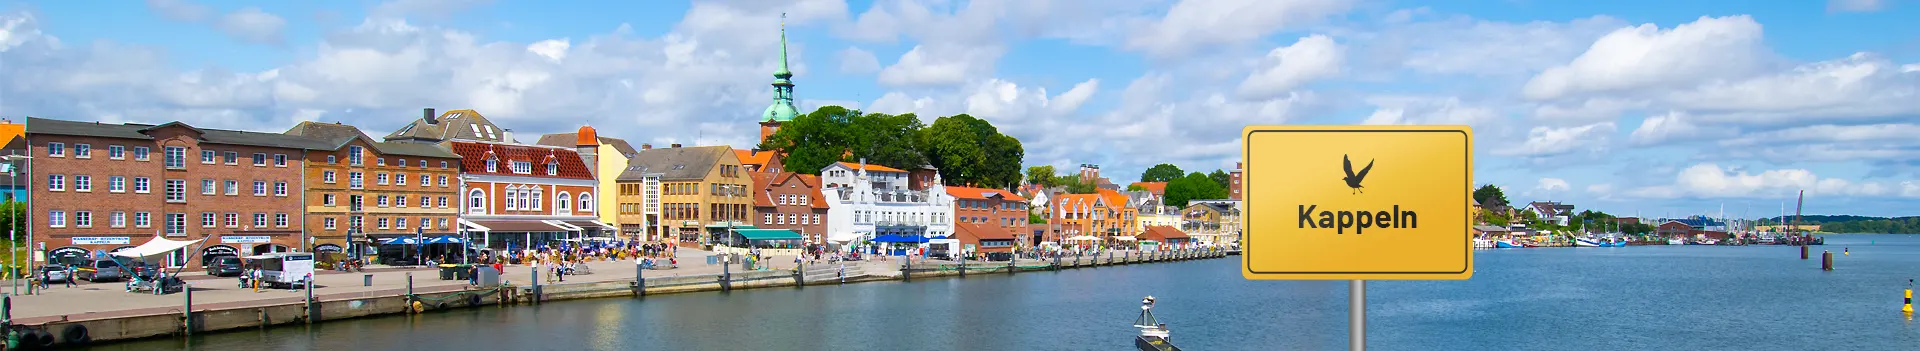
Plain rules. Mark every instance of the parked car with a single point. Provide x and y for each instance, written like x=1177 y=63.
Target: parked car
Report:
x=54 y=273
x=100 y=271
x=225 y=266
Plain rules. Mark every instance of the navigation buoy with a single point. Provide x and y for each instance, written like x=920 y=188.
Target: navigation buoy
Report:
x=1907 y=304
x=1846 y=251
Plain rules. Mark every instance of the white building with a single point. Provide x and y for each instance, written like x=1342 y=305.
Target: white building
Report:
x=866 y=201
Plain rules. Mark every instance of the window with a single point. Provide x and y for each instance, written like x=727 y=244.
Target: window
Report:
x=400 y=222
x=380 y=201
x=426 y=180
x=402 y=163
x=208 y=187
x=383 y=223
x=117 y=219
x=535 y=200
x=259 y=188
x=493 y=165
x=442 y=202
x=142 y=219
x=443 y=223
x=56 y=182
x=83 y=219
x=357 y=223
x=279 y=160
x=233 y=187
x=356 y=155
x=443 y=181
x=560 y=204
x=176 y=224
x=57 y=219
x=779 y=219
x=330 y=222
x=356 y=180
x=176 y=190
x=586 y=203
x=380 y=178
x=476 y=201
x=355 y=202
x=331 y=159
x=259 y=159
x=399 y=201
x=140 y=153
x=230 y=158
x=259 y=220
x=57 y=149
x=513 y=199
x=423 y=164
x=280 y=188
x=553 y=168
x=399 y=179
x=327 y=200
x=380 y=161
x=522 y=167
x=766 y=218
x=176 y=157
x=208 y=219
x=280 y=220
x=116 y=152
x=208 y=156
x=82 y=151
x=327 y=176
x=231 y=220
x=443 y=165
x=425 y=201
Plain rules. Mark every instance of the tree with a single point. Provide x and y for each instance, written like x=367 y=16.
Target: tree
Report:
x=1221 y=177
x=12 y=214
x=1194 y=186
x=887 y=140
x=1498 y=219
x=970 y=151
x=1161 y=173
x=1036 y=218
x=1489 y=191
x=1077 y=186
x=1136 y=187
x=812 y=141
x=1043 y=175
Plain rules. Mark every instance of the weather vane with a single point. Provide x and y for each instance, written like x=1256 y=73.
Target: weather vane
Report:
x=783 y=20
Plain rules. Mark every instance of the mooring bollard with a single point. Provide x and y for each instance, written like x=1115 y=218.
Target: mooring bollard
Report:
x=1826 y=260
x=639 y=280
x=311 y=305
x=1010 y=261
x=799 y=275
x=1803 y=252
x=535 y=273
x=963 y=266
x=906 y=269
x=186 y=314
x=726 y=274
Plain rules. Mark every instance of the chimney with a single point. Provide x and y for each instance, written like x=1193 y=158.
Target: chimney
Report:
x=673 y=146
x=645 y=147
x=506 y=136
x=429 y=116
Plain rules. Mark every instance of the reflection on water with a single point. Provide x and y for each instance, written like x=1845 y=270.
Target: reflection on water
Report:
x=1670 y=298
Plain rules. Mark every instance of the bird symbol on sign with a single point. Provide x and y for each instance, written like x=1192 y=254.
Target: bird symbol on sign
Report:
x=1354 y=179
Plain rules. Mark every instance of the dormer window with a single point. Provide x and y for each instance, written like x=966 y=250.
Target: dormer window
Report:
x=553 y=168
x=493 y=165
x=522 y=167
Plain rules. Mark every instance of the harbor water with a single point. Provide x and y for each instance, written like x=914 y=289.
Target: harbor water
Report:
x=1640 y=297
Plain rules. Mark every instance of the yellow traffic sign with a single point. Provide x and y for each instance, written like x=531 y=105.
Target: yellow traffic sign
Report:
x=1357 y=202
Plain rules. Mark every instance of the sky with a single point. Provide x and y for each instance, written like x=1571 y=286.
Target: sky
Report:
x=1649 y=108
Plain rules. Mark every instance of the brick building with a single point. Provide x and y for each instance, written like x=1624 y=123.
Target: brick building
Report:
x=106 y=187
x=993 y=212
x=360 y=190
x=519 y=196
x=790 y=201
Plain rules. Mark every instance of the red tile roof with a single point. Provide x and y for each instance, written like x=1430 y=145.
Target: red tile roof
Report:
x=757 y=158
x=1114 y=198
x=762 y=180
x=1163 y=233
x=1158 y=188
x=871 y=167
x=982 y=232
x=966 y=192
x=473 y=159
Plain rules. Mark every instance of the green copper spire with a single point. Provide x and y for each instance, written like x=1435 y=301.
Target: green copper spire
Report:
x=782 y=109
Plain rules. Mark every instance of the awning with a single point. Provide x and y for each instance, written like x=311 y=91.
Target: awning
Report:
x=562 y=225
x=768 y=234
x=519 y=226
x=1084 y=238
x=844 y=237
x=474 y=227
x=155 y=247
x=1125 y=238
x=404 y=240
x=590 y=224
x=900 y=239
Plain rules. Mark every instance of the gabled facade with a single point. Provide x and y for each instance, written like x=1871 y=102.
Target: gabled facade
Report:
x=1102 y=215
x=102 y=187
x=867 y=201
x=992 y=211
x=526 y=196
x=760 y=161
x=606 y=158
x=452 y=125
x=704 y=192
x=790 y=201
x=1214 y=223
x=359 y=191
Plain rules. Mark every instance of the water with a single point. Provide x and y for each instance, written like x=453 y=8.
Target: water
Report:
x=1659 y=297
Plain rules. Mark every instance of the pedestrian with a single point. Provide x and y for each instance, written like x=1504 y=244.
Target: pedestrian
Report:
x=69 y=271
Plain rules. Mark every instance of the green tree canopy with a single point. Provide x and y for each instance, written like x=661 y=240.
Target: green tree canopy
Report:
x=970 y=151
x=1161 y=173
x=1221 y=177
x=1075 y=185
x=1194 y=186
x=1043 y=175
x=1489 y=191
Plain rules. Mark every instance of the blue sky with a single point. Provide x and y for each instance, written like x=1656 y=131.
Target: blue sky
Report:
x=1656 y=108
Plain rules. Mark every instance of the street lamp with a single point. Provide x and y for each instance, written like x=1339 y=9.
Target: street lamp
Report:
x=13 y=232
x=466 y=241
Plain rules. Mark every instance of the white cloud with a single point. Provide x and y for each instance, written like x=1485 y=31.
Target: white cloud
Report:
x=253 y=26
x=1645 y=56
x=1709 y=180
x=940 y=66
x=1285 y=68
x=394 y=9
x=1860 y=87
x=1588 y=111
x=1196 y=24
x=1461 y=45
x=1552 y=184
x=1420 y=110
x=1855 y=5
x=855 y=60
x=180 y=10
x=1549 y=141
x=1670 y=127
x=554 y=50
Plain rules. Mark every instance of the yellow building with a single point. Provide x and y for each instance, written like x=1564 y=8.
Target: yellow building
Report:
x=702 y=192
x=607 y=158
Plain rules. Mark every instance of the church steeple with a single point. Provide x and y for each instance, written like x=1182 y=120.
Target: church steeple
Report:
x=782 y=109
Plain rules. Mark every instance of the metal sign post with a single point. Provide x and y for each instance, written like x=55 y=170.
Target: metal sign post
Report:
x=1357 y=315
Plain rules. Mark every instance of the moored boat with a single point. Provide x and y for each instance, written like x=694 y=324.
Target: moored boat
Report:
x=1587 y=242
x=1154 y=335
x=1508 y=244
x=1676 y=241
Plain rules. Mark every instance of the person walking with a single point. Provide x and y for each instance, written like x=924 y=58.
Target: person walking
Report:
x=69 y=271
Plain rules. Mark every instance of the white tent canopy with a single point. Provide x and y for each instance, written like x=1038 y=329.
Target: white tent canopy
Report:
x=1125 y=238
x=1084 y=238
x=157 y=246
x=843 y=237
